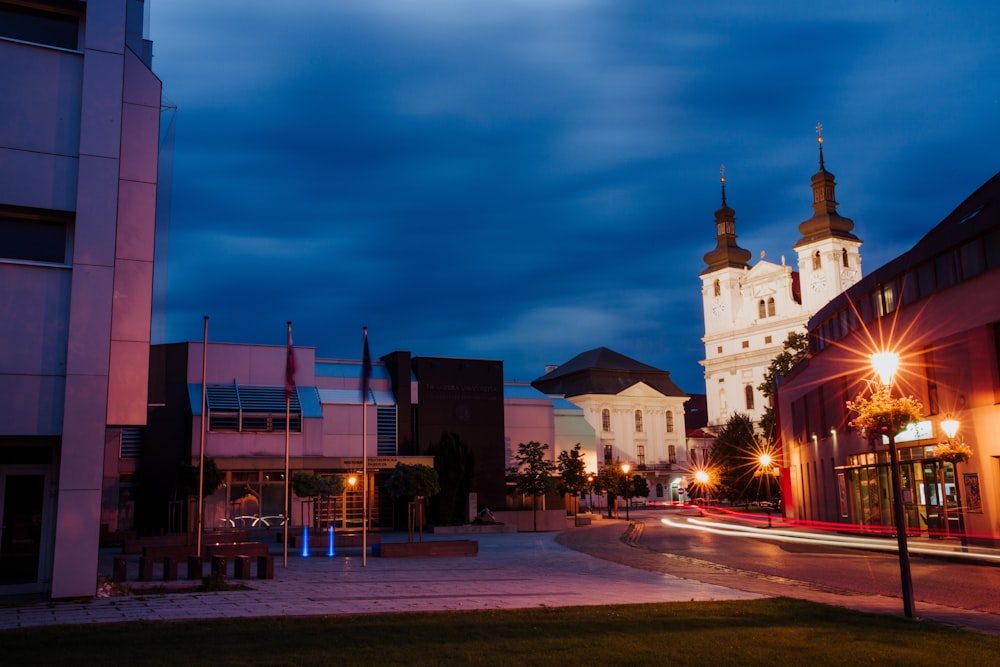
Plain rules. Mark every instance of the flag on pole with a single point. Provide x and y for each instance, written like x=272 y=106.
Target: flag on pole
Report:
x=290 y=366
x=366 y=369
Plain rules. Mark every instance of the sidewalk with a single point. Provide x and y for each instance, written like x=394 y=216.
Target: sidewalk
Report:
x=577 y=567
x=513 y=570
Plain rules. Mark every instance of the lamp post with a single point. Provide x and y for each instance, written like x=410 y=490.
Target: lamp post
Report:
x=764 y=461
x=628 y=500
x=590 y=488
x=950 y=428
x=885 y=365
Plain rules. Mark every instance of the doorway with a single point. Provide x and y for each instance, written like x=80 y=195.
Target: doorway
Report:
x=24 y=558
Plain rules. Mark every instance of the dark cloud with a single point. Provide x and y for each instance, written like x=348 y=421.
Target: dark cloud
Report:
x=524 y=181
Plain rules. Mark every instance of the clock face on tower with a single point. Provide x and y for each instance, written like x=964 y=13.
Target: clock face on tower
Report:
x=718 y=307
x=817 y=283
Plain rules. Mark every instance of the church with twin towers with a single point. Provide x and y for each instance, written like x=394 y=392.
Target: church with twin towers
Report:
x=750 y=310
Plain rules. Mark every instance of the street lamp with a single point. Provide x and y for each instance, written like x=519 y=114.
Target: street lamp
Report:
x=628 y=500
x=765 y=461
x=885 y=365
x=955 y=454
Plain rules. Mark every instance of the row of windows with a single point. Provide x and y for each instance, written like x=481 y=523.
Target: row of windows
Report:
x=640 y=455
x=606 y=421
x=39 y=26
x=817 y=260
x=748 y=397
x=933 y=275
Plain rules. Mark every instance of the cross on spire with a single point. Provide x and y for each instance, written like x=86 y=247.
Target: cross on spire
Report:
x=819 y=140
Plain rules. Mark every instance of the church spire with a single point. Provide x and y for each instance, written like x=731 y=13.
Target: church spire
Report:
x=825 y=222
x=726 y=253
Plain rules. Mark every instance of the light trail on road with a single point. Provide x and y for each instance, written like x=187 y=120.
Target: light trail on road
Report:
x=847 y=541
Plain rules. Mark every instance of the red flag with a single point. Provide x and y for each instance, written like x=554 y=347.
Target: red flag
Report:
x=366 y=368
x=290 y=366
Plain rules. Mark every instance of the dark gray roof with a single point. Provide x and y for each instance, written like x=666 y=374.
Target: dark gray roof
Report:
x=604 y=371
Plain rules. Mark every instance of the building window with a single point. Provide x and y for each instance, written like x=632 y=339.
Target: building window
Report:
x=748 y=391
x=722 y=400
x=717 y=288
x=672 y=454
x=746 y=344
x=606 y=420
x=241 y=408
x=761 y=310
x=670 y=421
x=27 y=24
x=718 y=349
x=34 y=235
x=770 y=307
x=638 y=421
x=767 y=340
x=843 y=257
x=817 y=261
x=607 y=455
x=640 y=454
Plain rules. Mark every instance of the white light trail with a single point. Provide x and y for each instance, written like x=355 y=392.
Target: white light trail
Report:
x=847 y=541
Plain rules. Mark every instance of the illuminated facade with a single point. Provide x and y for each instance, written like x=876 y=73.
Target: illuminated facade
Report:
x=749 y=311
x=936 y=306
x=79 y=148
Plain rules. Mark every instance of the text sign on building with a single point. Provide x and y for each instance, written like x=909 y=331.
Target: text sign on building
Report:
x=914 y=431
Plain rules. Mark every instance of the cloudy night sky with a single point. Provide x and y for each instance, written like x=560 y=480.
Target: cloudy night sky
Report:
x=525 y=180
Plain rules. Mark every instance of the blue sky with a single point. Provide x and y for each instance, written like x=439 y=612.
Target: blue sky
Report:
x=525 y=180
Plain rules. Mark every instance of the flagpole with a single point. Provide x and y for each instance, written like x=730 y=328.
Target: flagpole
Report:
x=289 y=387
x=201 y=447
x=365 y=373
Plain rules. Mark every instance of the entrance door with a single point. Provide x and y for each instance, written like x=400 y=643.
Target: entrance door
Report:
x=22 y=505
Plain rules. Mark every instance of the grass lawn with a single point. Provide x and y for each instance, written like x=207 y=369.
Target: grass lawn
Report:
x=772 y=632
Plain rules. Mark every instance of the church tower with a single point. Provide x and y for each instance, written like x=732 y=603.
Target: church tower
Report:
x=829 y=254
x=749 y=311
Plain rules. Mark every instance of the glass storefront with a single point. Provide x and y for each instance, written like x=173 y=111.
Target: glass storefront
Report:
x=928 y=490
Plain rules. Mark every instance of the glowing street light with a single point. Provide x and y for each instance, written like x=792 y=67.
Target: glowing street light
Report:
x=628 y=500
x=954 y=451
x=885 y=365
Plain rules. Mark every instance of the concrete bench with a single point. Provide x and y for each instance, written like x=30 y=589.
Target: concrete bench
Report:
x=437 y=548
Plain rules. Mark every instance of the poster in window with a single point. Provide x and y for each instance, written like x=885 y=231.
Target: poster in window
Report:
x=842 y=488
x=973 y=497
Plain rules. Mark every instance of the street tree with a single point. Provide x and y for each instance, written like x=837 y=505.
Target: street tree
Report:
x=454 y=463
x=532 y=473
x=794 y=350
x=733 y=457
x=573 y=474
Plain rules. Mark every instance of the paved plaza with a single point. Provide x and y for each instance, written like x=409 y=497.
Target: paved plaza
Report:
x=582 y=566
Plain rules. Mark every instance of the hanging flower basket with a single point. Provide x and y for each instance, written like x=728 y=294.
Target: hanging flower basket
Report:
x=880 y=414
x=953 y=452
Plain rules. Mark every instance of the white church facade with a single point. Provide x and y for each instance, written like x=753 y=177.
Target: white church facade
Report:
x=749 y=311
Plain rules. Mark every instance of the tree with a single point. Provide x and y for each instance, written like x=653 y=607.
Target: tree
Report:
x=454 y=464
x=573 y=474
x=609 y=482
x=414 y=481
x=533 y=473
x=309 y=485
x=733 y=458
x=187 y=479
x=637 y=487
x=794 y=350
